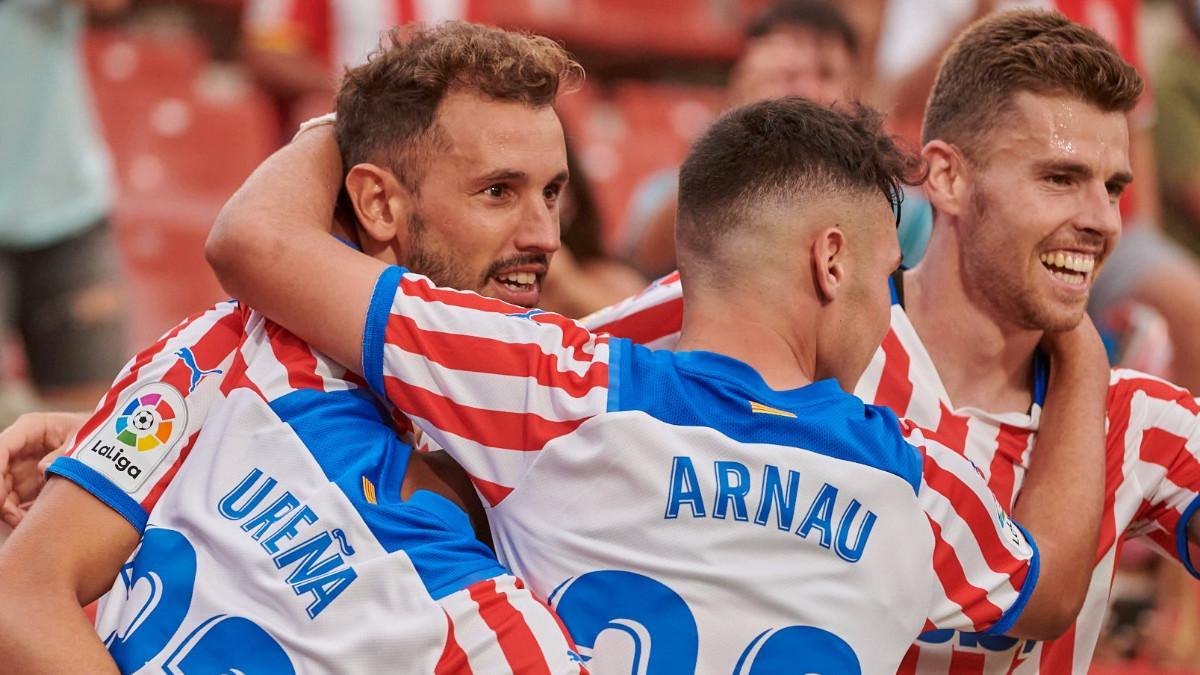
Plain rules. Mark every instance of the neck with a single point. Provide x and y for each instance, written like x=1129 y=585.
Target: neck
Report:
x=983 y=361
x=783 y=361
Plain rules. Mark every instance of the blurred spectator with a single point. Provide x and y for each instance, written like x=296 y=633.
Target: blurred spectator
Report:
x=1177 y=132
x=297 y=48
x=794 y=48
x=58 y=270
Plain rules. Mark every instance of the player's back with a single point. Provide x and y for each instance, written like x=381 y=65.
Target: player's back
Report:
x=275 y=538
x=707 y=523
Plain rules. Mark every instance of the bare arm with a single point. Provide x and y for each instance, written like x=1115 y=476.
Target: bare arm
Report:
x=271 y=249
x=1062 y=499
x=66 y=554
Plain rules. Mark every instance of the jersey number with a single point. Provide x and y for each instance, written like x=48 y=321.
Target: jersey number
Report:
x=662 y=630
x=165 y=567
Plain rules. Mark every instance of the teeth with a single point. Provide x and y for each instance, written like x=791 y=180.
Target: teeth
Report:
x=518 y=278
x=1075 y=262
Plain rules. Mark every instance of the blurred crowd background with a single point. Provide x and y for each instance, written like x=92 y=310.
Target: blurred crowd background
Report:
x=125 y=124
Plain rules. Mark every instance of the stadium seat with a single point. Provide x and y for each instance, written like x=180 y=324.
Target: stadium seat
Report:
x=184 y=134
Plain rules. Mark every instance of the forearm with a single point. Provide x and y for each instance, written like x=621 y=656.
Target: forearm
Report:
x=44 y=630
x=1062 y=498
x=65 y=555
x=271 y=249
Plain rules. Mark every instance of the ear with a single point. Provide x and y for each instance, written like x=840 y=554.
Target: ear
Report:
x=949 y=176
x=829 y=263
x=381 y=202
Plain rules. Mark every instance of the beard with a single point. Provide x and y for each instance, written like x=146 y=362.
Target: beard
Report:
x=995 y=276
x=443 y=268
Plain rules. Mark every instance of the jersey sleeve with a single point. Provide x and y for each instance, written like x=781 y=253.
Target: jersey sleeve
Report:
x=142 y=430
x=985 y=564
x=652 y=318
x=491 y=383
x=1159 y=427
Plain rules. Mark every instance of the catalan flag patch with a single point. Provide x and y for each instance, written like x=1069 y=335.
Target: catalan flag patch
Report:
x=368 y=490
x=756 y=407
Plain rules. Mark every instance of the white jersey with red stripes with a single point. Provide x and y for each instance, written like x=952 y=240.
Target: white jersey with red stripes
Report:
x=1153 y=477
x=265 y=482
x=679 y=513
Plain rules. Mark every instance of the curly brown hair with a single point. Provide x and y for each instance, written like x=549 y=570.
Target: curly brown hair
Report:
x=1009 y=52
x=386 y=108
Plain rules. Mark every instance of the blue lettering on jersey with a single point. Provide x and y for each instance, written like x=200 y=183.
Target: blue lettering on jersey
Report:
x=313 y=572
x=845 y=534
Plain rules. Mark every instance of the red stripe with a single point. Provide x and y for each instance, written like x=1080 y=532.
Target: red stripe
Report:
x=493 y=428
x=908 y=666
x=1170 y=452
x=157 y=491
x=967 y=663
x=516 y=639
x=649 y=324
x=494 y=493
x=221 y=338
x=1058 y=655
x=295 y=357
x=1125 y=388
x=973 y=600
x=236 y=377
x=978 y=518
x=1118 y=411
x=474 y=354
x=1011 y=443
x=951 y=431
x=573 y=335
x=1018 y=658
x=562 y=627
x=453 y=660
x=895 y=388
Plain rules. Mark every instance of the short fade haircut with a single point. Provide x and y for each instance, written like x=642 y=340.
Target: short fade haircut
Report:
x=387 y=106
x=784 y=151
x=1031 y=51
x=820 y=16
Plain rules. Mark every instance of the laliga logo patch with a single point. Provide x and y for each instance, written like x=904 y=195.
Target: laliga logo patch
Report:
x=128 y=448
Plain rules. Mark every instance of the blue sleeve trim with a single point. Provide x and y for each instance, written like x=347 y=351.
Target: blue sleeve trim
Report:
x=376 y=326
x=91 y=480
x=892 y=290
x=1181 y=537
x=616 y=349
x=1010 y=617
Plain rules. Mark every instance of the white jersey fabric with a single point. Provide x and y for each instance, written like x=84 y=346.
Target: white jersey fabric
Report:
x=1152 y=482
x=266 y=484
x=682 y=516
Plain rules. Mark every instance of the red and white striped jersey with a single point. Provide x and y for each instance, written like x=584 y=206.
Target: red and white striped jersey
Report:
x=1153 y=476
x=677 y=511
x=339 y=33
x=265 y=481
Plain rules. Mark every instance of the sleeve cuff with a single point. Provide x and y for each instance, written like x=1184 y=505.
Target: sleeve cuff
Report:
x=1008 y=618
x=89 y=479
x=375 y=332
x=1181 y=537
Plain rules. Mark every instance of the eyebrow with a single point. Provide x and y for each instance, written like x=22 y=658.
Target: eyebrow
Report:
x=517 y=175
x=1120 y=178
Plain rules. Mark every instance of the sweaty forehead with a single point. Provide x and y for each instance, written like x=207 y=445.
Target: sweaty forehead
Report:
x=1042 y=128
x=487 y=135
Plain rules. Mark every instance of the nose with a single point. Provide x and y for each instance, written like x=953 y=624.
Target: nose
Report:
x=539 y=231
x=1099 y=214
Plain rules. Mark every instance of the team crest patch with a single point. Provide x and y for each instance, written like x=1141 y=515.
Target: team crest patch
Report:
x=130 y=445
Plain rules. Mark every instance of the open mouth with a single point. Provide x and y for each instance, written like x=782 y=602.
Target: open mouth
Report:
x=1069 y=266
x=517 y=282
